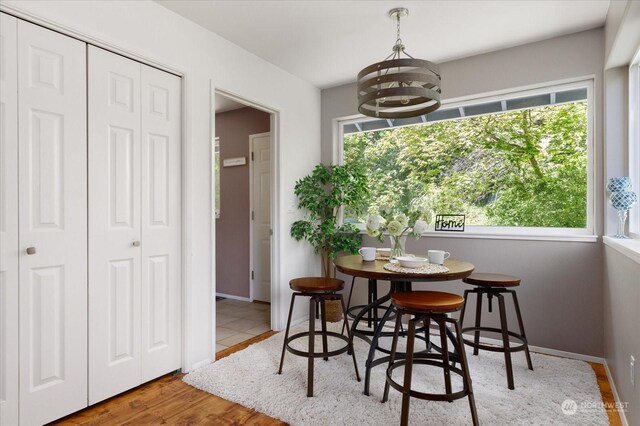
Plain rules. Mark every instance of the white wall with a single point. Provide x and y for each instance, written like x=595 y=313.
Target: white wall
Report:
x=149 y=30
x=561 y=287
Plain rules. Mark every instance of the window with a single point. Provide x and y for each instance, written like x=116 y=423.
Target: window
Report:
x=513 y=164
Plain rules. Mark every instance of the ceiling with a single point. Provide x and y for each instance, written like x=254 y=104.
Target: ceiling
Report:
x=224 y=104
x=327 y=42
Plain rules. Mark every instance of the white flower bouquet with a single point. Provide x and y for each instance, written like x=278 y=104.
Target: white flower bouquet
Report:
x=398 y=224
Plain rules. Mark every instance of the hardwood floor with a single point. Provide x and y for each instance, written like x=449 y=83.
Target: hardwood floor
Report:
x=607 y=394
x=168 y=400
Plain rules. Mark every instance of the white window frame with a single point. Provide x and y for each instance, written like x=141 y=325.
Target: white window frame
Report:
x=586 y=234
x=634 y=142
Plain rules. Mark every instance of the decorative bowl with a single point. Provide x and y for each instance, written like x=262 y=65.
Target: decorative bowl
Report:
x=411 y=261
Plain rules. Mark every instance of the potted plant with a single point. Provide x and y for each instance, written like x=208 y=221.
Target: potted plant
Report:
x=322 y=194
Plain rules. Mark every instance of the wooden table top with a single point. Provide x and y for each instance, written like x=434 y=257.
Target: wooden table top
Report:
x=354 y=265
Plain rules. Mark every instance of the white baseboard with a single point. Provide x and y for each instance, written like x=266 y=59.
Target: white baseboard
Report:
x=231 y=296
x=616 y=397
x=546 y=351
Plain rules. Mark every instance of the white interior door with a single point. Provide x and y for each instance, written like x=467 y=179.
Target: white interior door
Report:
x=261 y=189
x=8 y=220
x=53 y=224
x=114 y=224
x=161 y=225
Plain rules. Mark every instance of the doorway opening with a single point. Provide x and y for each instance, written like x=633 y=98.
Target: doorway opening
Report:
x=243 y=220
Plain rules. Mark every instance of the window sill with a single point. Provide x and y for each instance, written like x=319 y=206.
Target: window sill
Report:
x=629 y=248
x=500 y=236
x=523 y=237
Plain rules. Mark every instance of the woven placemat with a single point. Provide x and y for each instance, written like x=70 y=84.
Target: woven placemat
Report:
x=429 y=268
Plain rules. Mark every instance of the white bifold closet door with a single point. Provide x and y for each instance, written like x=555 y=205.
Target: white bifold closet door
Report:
x=8 y=220
x=52 y=224
x=134 y=223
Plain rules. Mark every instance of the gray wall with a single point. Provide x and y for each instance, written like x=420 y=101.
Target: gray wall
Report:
x=621 y=274
x=561 y=291
x=232 y=228
x=621 y=297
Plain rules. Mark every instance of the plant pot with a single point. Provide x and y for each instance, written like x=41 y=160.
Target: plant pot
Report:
x=334 y=310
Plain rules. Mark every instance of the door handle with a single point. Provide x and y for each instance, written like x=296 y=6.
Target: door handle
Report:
x=31 y=250
x=136 y=243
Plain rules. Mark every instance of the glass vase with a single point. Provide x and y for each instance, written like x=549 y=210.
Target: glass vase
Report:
x=622 y=219
x=397 y=246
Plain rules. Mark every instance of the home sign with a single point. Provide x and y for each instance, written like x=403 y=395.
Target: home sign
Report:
x=450 y=222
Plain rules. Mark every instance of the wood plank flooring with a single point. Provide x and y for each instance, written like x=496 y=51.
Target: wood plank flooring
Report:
x=168 y=400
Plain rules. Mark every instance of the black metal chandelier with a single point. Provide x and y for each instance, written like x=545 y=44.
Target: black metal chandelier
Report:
x=399 y=87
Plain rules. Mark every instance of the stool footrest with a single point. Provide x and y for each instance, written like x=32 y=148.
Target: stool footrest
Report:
x=317 y=354
x=521 y=347
x=423 y=395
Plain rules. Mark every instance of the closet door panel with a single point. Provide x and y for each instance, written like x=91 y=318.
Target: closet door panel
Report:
x=8 y=220
x=114 y=224
x=161 y=223
x=53 y=226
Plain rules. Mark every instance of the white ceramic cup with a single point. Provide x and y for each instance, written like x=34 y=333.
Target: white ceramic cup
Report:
x=437 y=256
x=368 y=253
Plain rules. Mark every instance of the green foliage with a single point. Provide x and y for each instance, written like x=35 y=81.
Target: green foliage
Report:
x=520 y=168
x=322 y=193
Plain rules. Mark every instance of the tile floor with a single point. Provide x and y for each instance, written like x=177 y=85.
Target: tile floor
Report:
x=237 y=321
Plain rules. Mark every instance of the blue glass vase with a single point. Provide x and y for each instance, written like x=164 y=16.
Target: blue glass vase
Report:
x=622 y=201
x=619 y=184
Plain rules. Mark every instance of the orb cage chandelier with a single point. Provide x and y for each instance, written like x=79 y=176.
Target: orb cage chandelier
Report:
x=400 y=87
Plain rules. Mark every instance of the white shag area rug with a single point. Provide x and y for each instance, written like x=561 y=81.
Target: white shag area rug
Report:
x=250 y=378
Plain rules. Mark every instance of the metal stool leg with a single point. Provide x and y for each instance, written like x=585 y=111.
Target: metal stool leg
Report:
x=286 y=333
x=353 y=282
x=323 y=317
x=476 y=337
x=505 y=340
x=312 y=336
x=372 y=349
x=346 y=325
x=408 y=369
x=467 y=377
x=464 y=307
x=521 y=325
x=392 y=357
x=442 y=325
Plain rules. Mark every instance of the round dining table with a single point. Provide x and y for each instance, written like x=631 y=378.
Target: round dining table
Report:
x=400 y=281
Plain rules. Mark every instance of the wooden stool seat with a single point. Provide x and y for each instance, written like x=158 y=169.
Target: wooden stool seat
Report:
x=316 y=285
x=484 y=279
x=428 y=301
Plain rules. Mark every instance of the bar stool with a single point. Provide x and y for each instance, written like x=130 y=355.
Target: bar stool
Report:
x=318 y=290
x=427 y=306
x=496 y=285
